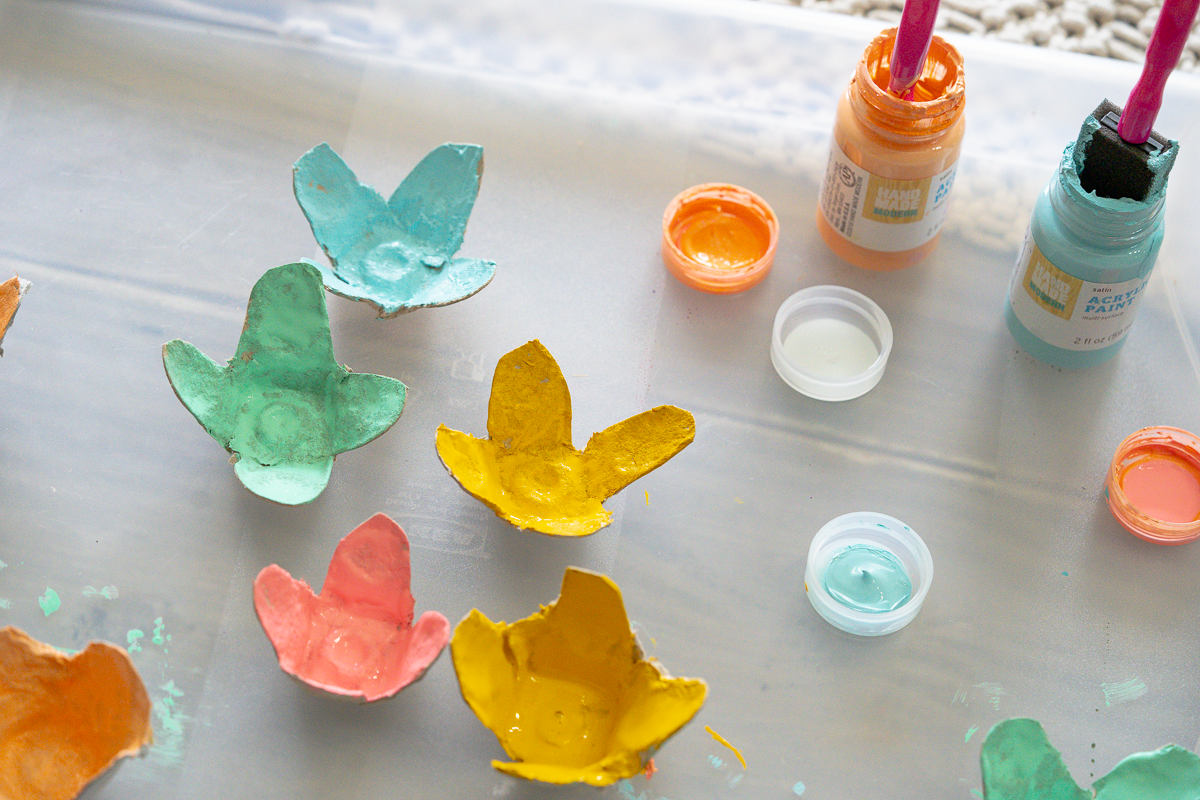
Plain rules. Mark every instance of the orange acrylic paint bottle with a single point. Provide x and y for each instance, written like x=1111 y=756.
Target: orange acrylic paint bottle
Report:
x=892 y=161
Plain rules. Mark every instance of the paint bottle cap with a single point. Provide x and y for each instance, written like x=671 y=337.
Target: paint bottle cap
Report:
x=883 y=539
x=830 y=342
x=1153 y=485
x=719 y=238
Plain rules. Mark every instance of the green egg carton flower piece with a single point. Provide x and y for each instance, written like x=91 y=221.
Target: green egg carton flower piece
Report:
x=527 y=470
x=1019 y=763
x=567 y=691
x=282 y=405
x=398 y=254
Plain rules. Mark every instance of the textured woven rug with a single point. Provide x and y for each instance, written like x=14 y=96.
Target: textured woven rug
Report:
x=1112 y=28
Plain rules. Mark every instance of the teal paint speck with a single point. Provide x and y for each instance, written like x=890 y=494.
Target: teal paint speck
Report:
x=625 y=789
x=131 y=639
x=977 y=793
x=1065 y=573
x=970 y=733
x=867 y=578
x=158 y=637
x=3 y=565
x=5 y=602
x=49 y=602
x=108 y=592
x=798 y=788
x=716 y=762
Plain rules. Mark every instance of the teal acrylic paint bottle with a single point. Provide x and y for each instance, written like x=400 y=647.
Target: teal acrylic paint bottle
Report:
x=1082 y=271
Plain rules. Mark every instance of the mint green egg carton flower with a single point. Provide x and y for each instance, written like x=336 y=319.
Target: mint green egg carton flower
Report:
x=282 y=405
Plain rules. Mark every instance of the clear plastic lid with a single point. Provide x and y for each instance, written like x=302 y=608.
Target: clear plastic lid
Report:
x=867 y=573
x=830 y=342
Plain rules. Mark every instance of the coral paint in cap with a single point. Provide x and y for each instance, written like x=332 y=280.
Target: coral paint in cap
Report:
x=1153 y=485
x=719 y=238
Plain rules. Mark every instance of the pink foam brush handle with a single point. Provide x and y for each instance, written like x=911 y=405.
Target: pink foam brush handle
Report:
x=1170 y=35
x=912 y=44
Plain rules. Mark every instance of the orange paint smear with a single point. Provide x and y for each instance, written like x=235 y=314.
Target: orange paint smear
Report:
x=1164 y=486
x=721 y=235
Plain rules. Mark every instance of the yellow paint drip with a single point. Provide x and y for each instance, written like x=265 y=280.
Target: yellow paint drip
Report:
x=528 y=472
x=725 y=742
x=567 y=691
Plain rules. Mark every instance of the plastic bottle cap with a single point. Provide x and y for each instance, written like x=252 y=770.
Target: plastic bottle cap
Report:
x=719 y=238
x=1153 y=485
x=878 y=532
x=830 y=342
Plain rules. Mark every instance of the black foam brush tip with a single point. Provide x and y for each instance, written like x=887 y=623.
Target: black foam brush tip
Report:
x=1115 y=168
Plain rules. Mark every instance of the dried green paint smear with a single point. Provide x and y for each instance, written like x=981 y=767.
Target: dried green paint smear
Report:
x=49 y=602
x=283 y=405
x=1019 y=763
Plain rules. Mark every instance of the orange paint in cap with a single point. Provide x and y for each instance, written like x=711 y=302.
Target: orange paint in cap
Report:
x=1153 y=485
x=719 y=238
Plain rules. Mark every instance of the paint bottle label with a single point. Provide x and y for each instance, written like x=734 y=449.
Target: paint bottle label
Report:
x=885 y=214
x=1067 y=312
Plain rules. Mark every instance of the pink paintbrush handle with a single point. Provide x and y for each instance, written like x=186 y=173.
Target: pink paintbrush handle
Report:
x=1170 y=35
x=912 y=43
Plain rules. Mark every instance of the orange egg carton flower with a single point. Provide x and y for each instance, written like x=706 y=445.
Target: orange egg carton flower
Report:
x=64 y=720
x=11 y=292
x=527 y=470
x=567 y=691
x=357 y=637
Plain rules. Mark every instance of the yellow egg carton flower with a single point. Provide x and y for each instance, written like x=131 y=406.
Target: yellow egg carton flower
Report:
x=527 y=470
x=567 y=691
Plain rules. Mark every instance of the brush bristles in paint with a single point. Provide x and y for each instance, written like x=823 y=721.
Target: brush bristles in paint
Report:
x=1114 y=168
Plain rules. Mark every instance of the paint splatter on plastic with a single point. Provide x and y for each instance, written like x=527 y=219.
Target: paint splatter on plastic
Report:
x=158 y=637
x=49 y=602
x=627 y=792
x=970 y=733
x=988 y=692
x=798 y=788
x=1123 y=692
x=5 y=602
x=131 y=638
x=107 y=592
x=169 y=731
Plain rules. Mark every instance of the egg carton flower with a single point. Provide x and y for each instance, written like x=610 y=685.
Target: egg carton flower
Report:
x=1019 y=763
x=11 y=292
x=282 y=405
x=567 y=691
x=398 y=254
x=65 y=720
x=357 y=637
x=528 y=472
